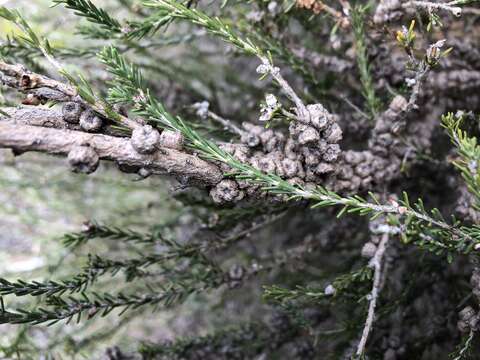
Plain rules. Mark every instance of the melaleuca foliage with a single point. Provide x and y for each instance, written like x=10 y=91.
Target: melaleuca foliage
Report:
x=321 y=121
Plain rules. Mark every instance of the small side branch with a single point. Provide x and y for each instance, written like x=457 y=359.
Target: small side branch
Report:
x=202 y=109
x=376 y=263
x=267 y=67
x=449 y=6
x=18 y=77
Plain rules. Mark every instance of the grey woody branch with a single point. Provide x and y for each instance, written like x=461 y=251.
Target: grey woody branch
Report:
x=38 y=116
x=85 y=149
x=40 y=88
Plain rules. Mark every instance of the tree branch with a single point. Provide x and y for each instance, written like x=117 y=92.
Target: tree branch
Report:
x=18 y=77
x=185 y=167
x=38 y=116
x=376 y=263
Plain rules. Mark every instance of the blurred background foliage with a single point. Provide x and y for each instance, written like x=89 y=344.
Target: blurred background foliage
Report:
x=39 y=201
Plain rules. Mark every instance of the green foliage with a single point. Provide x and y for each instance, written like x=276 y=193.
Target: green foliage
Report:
x=67 y=309
x=213 y=25
x=48 y=288
x=149 y=26
x=468 y=151
x=278 y=294
x=160 y=270
x=94 y=230
x=14 y=48
x=344 y=284
x=248 y=340
x=15 y=17
x=358 y=26
x=87 y=9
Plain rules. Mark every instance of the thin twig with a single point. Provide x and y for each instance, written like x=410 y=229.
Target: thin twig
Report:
x=302 y=111
x=376 y=262
x=228 y=124
x=450 y=6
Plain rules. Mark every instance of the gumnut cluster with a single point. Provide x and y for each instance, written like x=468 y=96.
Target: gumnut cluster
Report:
x=394 y=347
x=321 y=61
x=382 y=160
x=469 y=318
x=306 y=156
x=455 y=80
x=83 y=159
x=75 y=113
x=145 y=139
x=475 y=283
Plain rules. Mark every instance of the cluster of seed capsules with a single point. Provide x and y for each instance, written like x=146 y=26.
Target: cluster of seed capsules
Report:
x=311 y=155
x=306 y=156
x=469 y=318
x=381 y=161
x=144 y=139
x=75 y=113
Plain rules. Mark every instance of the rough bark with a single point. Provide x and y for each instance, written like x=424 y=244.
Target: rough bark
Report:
x=49 y=118
x=42 y=88
x=187 y=168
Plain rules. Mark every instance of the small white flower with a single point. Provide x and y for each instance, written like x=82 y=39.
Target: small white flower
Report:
x=394 y=203
x=262 y=69
x=433 y=51
x=275 y=70
x=457 y=11
x=272 y=7
x=268 y=109
x=202 y=109
x=386 y=229
x=439 y=43
x=266 y=114
x=330 y=290
x=255 y=16
x=126 y=29
x=410 y=82
x=473 y=166
x=271 y=100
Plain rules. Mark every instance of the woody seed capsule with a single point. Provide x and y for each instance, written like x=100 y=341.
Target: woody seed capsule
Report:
x=171 y=139
x=145 y=139
x=83 y=159
x=89 y=121
x=71 y=112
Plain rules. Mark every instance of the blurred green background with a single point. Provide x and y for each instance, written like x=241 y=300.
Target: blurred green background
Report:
x=40 y=200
